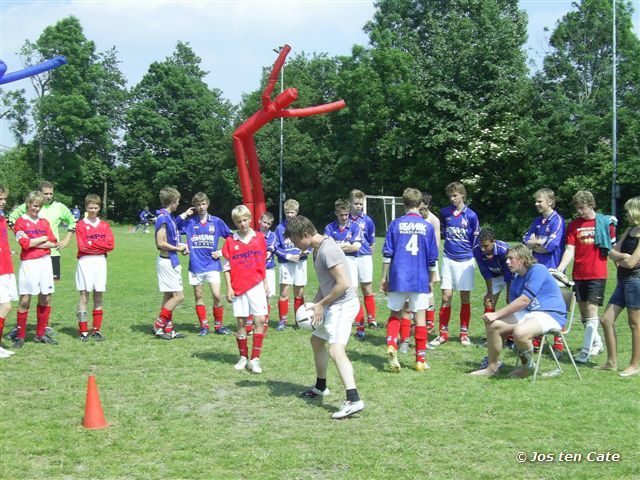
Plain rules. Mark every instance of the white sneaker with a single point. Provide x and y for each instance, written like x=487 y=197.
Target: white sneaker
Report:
x=313 y=392
x=596 y=348
x=254 y=365
x=583 y=357
x=348 y=409
x=242 y=364
x=439 y=340
x=404 y=347
x=5 y=353
x=464 y=340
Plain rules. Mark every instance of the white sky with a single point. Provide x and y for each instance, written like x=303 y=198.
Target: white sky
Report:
x=234 y=39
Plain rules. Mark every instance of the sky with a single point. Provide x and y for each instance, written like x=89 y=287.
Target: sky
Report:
x=234 y=39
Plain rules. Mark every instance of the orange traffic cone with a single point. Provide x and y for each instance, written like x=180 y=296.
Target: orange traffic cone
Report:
x=93 y=414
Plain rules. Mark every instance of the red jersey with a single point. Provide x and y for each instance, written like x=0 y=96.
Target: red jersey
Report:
x=26 y=229
x=589 y=263
x=6 y=265
x=246 y=261
x=94 y=239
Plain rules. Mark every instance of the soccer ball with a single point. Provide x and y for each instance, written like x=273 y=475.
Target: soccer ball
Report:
x=304 y=316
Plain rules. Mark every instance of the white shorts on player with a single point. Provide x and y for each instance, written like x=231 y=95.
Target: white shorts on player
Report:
x=36 y=277
x=251 y=302
x=91 y=273
x=8 y=289
x=457 y=275
x=416 y=301
x=543 y=319
x=365 y=268
x=293 y=273
x=204 y=277
x=352 y=267
x=437 y=274
x=271 y=281
x=169 y=278
x=338 y=319
x=497 y=285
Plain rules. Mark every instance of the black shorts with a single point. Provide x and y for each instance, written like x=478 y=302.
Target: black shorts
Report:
x=591 y=291
x=55 y=263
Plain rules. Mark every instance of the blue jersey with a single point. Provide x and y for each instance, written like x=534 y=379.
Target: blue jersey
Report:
x=348 y=234
x=202 y=238
x=284 y=246
x=410 y=246
x=494 y=265
x=75 y=211
x=271 y=240
x=368 y=231
x=144 y=215
x=163 y=217
x=541 y=288
x=552 y=230
x=460 y=231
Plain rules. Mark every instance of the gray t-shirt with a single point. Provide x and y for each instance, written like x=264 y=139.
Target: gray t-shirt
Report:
x=327 y=256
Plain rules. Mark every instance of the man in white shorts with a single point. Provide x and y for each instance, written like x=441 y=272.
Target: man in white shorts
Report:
x=334 y=309
x=536 y=307
x=8 y=290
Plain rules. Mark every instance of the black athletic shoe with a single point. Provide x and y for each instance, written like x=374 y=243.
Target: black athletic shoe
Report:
x=172 y=335
x=18 y=343
x=45 y=339
x=83 y=337
x=97 y=336
x=12 y=335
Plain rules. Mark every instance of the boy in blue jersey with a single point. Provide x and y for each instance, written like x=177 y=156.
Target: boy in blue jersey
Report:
x=460 y=228
x=266 y=221
x=409 y=260
x=348 y=236
x=364 y=260
x=144 y=217
x=203 y=232
x=491 y=257
x=536 y=306
x=545 y=238
x=293 y=266
x=167 y=265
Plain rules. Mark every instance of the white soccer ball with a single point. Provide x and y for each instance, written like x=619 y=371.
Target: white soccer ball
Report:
x=304 y=317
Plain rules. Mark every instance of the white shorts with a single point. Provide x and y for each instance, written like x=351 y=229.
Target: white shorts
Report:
x=543 y=319
x=251 y=302
x=352 y=267
x=457 y=275
x=271 y=281
x=293 y=273
x=497 y=285
x=91 y=273
x=8 y=290
x=365 y=268
x=204 y=277
x=338 y=318
x=36 y=277
x=417 y=301
x=169 y=278
x=437 y=272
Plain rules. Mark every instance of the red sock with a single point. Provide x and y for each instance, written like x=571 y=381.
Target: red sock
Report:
x=165 y=315
x=283 y=310
x=242 y=346
x=430 y=318
x=370 y=305
x=421 y=343
x=489 y=309
x=22 y=324
x=82 y=322
x=360 y=320
x=465 y=317
x=297 y=303
x=536 y=341
x=97 y=319
x=218 y=314
x=257 y=345
x=445 y=315
x=405 y=328
x=557 y=343
x=249 y=324
x=168 y=326
x=42 y=314
x=201 y=312
x=393 y=328
x=1 y=326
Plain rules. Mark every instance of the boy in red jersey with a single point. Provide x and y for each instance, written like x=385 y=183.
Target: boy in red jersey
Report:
x=95 y=239
x=8 y=290
x=247 y=288
x=36 y=272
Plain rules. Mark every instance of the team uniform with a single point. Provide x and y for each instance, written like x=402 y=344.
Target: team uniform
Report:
x=203 y=238
x=144 y=217
x=552 y=230
x=494 y=267
x=291 y=273
x=460 y=230
x=36 y=273
x=95 y=240
x=410 y=248
x=56 y=214
x=75 y=211
x=246 y=263
x=8 y=289
x=270 y=265
x=364 y=261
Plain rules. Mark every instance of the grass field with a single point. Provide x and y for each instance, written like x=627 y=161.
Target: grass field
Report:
x=178 y=410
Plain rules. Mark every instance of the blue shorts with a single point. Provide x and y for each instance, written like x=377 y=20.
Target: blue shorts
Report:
x=627 y=293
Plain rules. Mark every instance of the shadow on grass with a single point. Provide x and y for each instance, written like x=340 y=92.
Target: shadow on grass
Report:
x=287 y=389
x=147 y=328
x=69 y=331
x=378 y=361
x=218 y=357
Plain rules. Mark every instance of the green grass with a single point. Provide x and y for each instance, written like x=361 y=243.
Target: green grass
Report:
x=179 y=410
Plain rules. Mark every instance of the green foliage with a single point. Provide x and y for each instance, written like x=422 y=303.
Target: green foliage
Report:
x=16 y=174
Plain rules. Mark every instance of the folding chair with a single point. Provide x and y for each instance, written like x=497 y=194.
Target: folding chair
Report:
x=566 y=287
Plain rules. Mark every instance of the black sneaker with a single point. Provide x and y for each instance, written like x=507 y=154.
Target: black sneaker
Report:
x=172 y=335
x=18 y=343
x=222 y=331
x=48 y=331
x=83 y=337
x=97 y=336
x=373 y=325
x=45 y=339
x=12 y=335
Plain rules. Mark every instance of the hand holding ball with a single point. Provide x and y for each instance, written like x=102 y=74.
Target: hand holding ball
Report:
x=304 y=317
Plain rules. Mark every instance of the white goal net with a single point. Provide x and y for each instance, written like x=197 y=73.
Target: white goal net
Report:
x=383 y=209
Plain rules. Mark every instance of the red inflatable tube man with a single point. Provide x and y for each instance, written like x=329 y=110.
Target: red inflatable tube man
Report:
x=243 y=141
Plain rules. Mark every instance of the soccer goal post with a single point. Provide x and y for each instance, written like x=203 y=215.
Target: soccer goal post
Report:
x=383 y=209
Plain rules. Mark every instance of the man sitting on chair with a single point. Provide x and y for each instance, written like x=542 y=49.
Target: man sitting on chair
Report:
x=536 y=306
